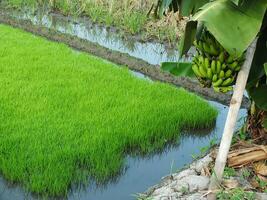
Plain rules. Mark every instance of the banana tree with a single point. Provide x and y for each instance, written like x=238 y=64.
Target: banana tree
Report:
x=224 y=31
x=185 y=8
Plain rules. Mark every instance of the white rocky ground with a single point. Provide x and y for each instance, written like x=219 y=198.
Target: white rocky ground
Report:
x=190 y=184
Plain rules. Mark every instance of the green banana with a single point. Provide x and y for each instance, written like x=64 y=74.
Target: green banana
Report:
x=228 y=73
x=201 y=59
x=223 y=89
x=195 y=44
x=226 y=89
x=196 y=70
x=214 y=78
x=209 y=73
x=224 y=66
x=202 y=71
x=233 y=65
x=230 y=59
x=200 y=45
x=213 y=66
x=207 y=63
x=217 y=83
x=221 y=57
x=221 y=74
x=213 y=50
x=216 y=89
x=206 y=47
x=218 y=67
x=228 y=82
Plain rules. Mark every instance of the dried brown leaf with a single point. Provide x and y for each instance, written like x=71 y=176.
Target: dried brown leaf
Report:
x=260 y=168
x=230 y=183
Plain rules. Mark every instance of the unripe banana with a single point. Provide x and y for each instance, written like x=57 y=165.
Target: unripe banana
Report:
x=225 y=89
x=221 y=74
x=221 y=57
x=213 y=50
x=228 y=73
x=202 y=71
x=207 y=63
x=206 y=47
x=218 y=67
x=209 y=73
x=224 y=66
x=216 y=89
x=214 y=78
x=228 y=82
x=213 y=66
x=217 y=83
x=230 y=59
x=200 y=45
x=195 y=44
x=196 y=70
x=195 y=60
x=233 y=65
x=201 y=60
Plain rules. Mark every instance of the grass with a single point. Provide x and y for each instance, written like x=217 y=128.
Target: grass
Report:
x=66 y=116
x=128 y=15
x=235 y=194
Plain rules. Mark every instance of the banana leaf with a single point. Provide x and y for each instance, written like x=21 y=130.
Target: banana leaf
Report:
x=188 y=37
x=237 y=2
x=260 y=57
x=188 y=7
x=163 y=5
x=178 y=68
x=259 y=95
x=235 y=27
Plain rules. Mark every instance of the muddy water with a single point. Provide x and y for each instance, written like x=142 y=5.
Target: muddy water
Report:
x=151 y=52
x=140 y=173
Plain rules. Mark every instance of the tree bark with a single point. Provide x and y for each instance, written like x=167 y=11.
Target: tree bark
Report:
x=229 y=128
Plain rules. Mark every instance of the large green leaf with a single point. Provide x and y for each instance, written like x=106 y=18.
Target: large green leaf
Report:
x=237 y=2
x=265 y=67
x=188 y=37
x=259 y=95
x=260 y=57
x=188 y=7
x=178 y=68
x=163 y=5
x=235 y=27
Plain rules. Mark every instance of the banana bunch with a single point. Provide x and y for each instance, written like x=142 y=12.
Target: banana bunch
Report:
x=213 y=66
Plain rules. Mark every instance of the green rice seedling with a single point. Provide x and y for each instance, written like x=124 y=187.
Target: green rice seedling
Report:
x=134 y=22
x=66 y=116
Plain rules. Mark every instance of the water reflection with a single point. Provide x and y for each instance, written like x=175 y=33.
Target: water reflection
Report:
x=152 y=52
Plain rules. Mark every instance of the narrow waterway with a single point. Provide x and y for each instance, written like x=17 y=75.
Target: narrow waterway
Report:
x=151 y=52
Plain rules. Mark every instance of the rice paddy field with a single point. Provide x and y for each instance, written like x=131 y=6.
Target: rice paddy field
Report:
x=67 y=117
